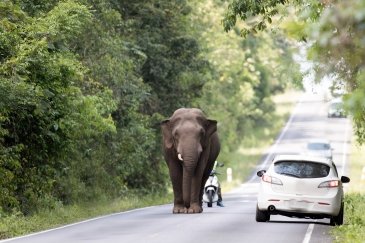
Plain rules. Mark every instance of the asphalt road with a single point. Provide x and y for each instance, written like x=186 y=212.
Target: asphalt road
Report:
x=236 y=221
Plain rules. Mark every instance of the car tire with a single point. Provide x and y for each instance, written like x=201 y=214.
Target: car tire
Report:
x=210 y=198
x=338 y=220
x=262 y=216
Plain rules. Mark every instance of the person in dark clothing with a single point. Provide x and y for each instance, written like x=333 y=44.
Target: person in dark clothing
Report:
x=220 y=199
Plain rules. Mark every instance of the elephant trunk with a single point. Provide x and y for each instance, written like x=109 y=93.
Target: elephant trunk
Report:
x=190 y=164
x=187 y=182
x=190 y=156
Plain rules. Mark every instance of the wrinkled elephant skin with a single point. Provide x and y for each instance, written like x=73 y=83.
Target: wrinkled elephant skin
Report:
x=190 y=146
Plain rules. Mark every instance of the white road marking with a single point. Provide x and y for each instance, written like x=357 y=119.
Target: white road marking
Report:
x=81 y=222
x=308 y=234
x=247 y=201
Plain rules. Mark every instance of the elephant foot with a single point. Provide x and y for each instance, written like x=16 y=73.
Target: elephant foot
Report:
x=195 y=208
x=179 y=209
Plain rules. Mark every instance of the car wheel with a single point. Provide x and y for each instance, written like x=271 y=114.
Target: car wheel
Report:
x=210 y=198
x=338 y=220
x=262 y=216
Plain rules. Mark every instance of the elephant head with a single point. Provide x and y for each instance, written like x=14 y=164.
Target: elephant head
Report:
x=187 y=137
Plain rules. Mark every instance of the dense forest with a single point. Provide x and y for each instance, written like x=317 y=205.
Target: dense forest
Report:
x=85 y=83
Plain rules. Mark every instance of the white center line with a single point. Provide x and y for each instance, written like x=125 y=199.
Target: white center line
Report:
x=308 y=234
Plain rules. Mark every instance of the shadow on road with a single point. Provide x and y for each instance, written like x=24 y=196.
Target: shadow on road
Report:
x=298 y=222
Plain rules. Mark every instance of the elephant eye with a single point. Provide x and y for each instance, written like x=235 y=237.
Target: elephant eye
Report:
x=176 y=134
x=202 y=132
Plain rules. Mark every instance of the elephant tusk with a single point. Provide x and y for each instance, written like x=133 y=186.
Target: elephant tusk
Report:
x=180 y=157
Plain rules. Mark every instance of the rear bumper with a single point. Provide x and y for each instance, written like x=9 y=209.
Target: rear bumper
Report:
x=300 y=206
x=336 y=114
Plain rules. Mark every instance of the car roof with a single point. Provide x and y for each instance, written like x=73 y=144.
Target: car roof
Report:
x=300 y=157
x=336 y=100
x=319 y=140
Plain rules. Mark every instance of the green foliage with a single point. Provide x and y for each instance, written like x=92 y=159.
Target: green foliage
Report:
x=173 y=68
x=353 y=228
x=245 y=73
x=42 y=106
x=256 y=14
x=339 y=51
x=335 y=31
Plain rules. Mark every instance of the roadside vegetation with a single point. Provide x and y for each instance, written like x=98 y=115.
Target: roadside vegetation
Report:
x=17 y=224
x=353 y=229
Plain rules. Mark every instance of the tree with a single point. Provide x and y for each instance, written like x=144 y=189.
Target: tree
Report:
x=43 y=108
x=334 y=28
x=244 y=74
x=339 y=50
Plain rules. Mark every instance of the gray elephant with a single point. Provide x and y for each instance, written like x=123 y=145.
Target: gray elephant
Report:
x=191 y=146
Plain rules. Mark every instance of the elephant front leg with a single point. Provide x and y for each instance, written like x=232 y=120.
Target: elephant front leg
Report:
x=175 y=171
x=195 y=208
x=195 y=202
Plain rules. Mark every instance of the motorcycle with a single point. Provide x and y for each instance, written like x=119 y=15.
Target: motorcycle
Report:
x=210 y=195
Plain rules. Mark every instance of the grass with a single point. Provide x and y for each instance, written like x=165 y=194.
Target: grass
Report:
x=242 y=163
x=353 y=229
x=357 y=164
x=17 y=224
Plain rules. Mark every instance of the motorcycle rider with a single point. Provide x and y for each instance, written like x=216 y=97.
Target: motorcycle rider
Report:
x=220 y=199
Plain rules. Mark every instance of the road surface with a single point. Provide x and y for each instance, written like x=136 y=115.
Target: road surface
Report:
x=236 y=221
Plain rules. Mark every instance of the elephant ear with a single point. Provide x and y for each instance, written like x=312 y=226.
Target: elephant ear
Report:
x=210 y=129
x=166 y=133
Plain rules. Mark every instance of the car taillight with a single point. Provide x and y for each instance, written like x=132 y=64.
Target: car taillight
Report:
x=272 y=180
x=333 y=183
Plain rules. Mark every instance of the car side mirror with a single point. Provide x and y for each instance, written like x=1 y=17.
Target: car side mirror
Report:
x=260 y=173
x=345 y=179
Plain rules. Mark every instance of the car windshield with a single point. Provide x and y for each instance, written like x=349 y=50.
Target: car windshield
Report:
x=301 y=169
x=318 y=146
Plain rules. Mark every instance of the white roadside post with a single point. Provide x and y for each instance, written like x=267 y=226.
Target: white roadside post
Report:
x=229 y=174
x=363 y=174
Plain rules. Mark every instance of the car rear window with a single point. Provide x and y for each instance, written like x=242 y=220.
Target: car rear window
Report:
x=318 y=146
x=301 y=169
x=337 y=105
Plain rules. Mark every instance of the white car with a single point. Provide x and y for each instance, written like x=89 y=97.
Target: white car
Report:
x=301 y=186
x=319 y=147
x=335 y=108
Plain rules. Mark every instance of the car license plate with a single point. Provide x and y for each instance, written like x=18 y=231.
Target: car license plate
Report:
x=298 y=204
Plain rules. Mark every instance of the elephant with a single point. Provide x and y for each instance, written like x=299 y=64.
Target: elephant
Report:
x=190 y=148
